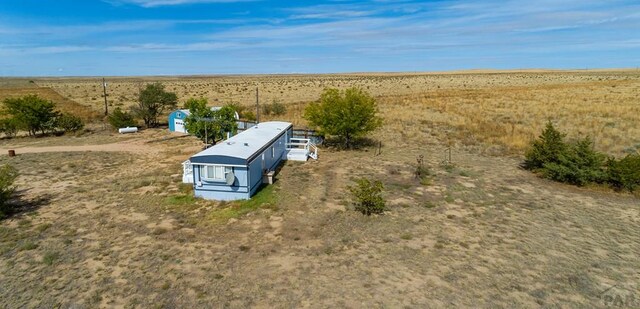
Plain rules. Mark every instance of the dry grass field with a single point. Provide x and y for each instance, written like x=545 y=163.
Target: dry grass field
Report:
x=109 y=228
x=500 y=109
x=16 y=89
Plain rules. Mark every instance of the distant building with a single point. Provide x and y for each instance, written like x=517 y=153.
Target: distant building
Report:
x=177 y=118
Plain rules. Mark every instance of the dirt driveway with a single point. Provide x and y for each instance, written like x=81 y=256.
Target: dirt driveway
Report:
x=115 y=147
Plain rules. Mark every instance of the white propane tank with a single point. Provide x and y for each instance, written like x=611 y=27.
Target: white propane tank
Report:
x=128 y=130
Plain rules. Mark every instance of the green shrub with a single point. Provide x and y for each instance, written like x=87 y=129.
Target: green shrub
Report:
x=275 y=108
x=121 y=119
x=624 y=173
x=266 y=109
x=546 y=149
x=8 y=175
x=32 y=113
x=9 y=126
x=249 y=115
x=579 y=164
x=51 y=257
x=28 y=245
x=69 y=123
x=367 y=196
x=278 y=108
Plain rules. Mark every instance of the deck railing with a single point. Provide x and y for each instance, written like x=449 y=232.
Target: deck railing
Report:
x=304 y=143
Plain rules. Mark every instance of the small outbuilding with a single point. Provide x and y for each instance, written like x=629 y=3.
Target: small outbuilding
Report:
x=235 y=169
x=177 y=118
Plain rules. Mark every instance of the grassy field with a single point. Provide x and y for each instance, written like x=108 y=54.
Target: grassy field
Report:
x=62 y=103
x=118 y=229
x=510 y=117
x=500 y=109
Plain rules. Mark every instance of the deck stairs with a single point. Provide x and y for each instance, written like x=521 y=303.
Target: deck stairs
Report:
x=187 y=172
x=301 y=149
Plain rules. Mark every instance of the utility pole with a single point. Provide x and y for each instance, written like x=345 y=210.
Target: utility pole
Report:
x=257 y=107
x=104 y=89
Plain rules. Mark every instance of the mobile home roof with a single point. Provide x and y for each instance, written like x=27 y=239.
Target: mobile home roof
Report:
x=241 y=148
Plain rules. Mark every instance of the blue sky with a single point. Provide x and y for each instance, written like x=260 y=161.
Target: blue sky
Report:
x=171 y=37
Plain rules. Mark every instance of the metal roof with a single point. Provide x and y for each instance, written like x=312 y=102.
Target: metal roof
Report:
x=213 y=108
x=187 y=112
x=241 y=148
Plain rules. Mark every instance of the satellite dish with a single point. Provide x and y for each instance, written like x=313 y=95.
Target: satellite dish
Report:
x=230 y=178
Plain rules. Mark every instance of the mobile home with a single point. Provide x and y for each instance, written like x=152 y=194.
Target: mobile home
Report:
x=234 y=169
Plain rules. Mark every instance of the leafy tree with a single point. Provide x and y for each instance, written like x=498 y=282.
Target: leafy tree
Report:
x=152 y=102
x=8 y=175
x=226 y=119
x=240 y=109
x=209 y=125
x=69 y=123
x=200 y=120
x=367 y=196
x=32 y=113
x=346 y=114
x=121 y=119
x=546 y=149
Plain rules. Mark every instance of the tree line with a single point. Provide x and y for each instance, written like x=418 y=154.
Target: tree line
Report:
x=208 y=125
x=35 y=115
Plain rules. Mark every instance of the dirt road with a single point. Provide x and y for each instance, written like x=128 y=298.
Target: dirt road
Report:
x=133 y=147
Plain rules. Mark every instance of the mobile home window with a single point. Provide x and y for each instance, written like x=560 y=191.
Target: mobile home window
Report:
x=214 y=172
x=273 y=152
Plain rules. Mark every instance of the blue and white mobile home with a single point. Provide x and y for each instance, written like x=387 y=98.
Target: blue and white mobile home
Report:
x=234 y=169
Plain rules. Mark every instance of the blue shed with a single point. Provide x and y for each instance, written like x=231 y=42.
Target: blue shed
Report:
x=234 y=169
x=177 y=117
x=176 y=120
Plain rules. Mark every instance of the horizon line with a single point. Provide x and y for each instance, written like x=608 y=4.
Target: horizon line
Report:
x=461 y=71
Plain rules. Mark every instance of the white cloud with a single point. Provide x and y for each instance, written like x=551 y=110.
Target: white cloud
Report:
x=8 y=50
x=393 y=29
x=160 y=47
x=157 y=3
